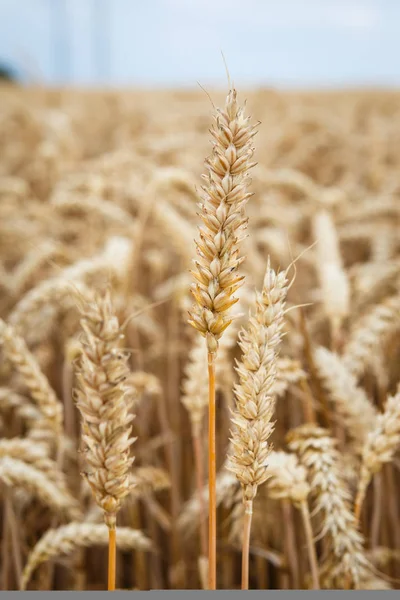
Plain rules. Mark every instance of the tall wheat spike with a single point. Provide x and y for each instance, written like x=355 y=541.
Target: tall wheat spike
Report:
x=255 y=405
x=216 y=270
x=104 y=401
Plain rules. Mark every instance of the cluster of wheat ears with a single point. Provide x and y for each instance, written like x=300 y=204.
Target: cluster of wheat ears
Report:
x=256 y=448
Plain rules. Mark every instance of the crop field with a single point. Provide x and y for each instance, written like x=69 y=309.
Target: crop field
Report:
x=199 y=339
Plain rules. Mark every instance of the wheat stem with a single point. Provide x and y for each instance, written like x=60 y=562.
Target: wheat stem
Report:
x=312 y=556
x=248 y=513
x=14 y=533
x=212 y=519
x=290 y=542
x=377 y=511
x=359 y=501
x=198 y=460
x=308 y=405
x=111 y=558
x=5 y=556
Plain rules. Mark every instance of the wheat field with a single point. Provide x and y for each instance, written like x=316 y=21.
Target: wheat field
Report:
x=111 y=369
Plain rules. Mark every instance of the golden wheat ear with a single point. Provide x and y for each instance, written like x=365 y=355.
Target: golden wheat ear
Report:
x=104 y=400
x=380 y=446
x=255 y=404
x=224 y=196
x=24 y=362
x=345 y=564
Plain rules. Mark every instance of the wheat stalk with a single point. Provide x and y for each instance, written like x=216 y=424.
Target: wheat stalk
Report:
x=223 y=201
x=104 y=401
x=255 y=406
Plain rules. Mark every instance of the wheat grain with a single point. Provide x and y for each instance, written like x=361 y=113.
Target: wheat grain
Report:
x=288 y=372
x=288 y=481
x=146 y=479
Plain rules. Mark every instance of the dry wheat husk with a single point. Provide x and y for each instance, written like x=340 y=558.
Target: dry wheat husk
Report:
x=34 y=453
x=19 y=474
x=67 y=539
x=16 y=351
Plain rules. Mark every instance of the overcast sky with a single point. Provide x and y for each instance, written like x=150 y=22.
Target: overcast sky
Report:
x=179 y=42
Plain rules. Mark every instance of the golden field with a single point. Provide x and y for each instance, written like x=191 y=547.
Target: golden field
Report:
x=100 y=204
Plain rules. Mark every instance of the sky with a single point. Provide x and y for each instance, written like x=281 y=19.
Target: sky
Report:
x=288 y=43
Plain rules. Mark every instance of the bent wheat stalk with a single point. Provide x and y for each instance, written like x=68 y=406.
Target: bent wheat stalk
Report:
x=223 y=201
x=66 y=539
x=19 y=474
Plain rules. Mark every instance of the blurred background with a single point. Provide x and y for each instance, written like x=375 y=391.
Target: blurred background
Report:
x=289 y=43
x=99 y=191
